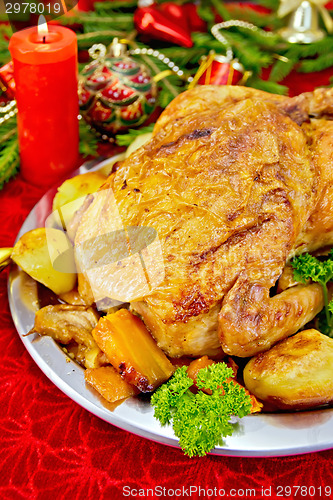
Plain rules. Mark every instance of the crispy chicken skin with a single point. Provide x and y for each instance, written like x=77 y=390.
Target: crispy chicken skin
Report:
x=235 y=182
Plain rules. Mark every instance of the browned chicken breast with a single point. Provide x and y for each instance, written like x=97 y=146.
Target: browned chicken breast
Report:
x=233 y=182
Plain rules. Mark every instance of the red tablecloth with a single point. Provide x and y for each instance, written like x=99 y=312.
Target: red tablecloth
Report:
x=51 y=448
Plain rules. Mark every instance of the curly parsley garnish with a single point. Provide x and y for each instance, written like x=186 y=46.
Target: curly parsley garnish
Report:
x=201 y=420
x=307 y=267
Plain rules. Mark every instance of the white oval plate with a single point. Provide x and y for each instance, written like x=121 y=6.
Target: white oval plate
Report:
x=256 y=435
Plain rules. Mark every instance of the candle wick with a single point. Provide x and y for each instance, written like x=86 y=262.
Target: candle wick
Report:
x=44 y=39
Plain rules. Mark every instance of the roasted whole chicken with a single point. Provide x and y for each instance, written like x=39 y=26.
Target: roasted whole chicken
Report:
x=234 y=182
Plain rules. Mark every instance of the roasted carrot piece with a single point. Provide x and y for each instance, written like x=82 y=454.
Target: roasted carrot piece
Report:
x=107 y=381
x=204 y=361
x=198 y=364
x=133 y=352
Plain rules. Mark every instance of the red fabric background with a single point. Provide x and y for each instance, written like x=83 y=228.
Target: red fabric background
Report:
x=51 y=448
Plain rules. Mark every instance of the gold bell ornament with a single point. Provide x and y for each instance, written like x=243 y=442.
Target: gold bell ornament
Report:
x=303 y=23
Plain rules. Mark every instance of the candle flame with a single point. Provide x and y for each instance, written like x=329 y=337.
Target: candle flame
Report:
x=42 y=26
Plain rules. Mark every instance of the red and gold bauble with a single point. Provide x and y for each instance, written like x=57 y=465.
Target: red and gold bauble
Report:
x=194 y=21
x=163 y=22
x=219 y=70
x=7 y=82
x=115 y=91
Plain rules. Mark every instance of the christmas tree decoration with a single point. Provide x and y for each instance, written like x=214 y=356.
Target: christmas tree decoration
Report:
x=9 y=148
x=166 y=22
x=7 y=82
x=190 y=13
x=7 y=111
x=303 y=22
x=115 y=91
x=220 y=70
x=172 y=11
x=236 y=23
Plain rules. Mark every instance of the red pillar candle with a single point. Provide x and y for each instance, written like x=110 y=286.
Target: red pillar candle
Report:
x=45 y=73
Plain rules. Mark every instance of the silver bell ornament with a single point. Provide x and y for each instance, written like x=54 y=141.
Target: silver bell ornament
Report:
x=303 y=20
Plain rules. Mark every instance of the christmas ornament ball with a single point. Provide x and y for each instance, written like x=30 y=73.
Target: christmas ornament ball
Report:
x=115 y=91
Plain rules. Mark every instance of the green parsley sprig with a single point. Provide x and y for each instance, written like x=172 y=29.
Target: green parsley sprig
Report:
x=201 y=420
x=307 y=267
x=133 y=133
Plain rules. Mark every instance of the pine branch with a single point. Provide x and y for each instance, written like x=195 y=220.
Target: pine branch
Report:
x=185 y=56
x=252 y=57
x=179 y=2
x=207 y=41
x=97 y=21
x=261 y=37
x=310 y=66
x=6 y=30
x=297 y=52
x=128 y=138
x=221 y=9
x=9 y=160
x=257 y=18
x=88 y=141
x=115 y=5
x=270 y=4
x=7 y=129
x=271 y=87
x=4 y=52
x=281 y=69
x=206 y=13
x=4 y=138
x=86 y=40
x=312 y=49
x=170 y=86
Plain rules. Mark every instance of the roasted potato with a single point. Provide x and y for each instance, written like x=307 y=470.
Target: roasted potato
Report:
x=138 y=142
x=47 y=256
x=5 y=254
x=295 y=374
x=72 y=193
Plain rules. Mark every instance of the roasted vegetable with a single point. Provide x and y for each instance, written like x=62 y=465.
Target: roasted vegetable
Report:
x=5 y=254
x=47 y=256
x=109 y=383
x=132 y=351
x=198 y=364
x=201 y=420
x=72 y=297
x=72 y=193
x=296 y=373
x=71 y=326
x=138 y=142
